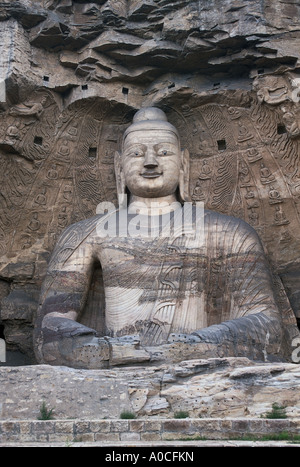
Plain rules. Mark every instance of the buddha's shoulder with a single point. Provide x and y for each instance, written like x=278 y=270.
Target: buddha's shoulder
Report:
x=79 y=231
x=228 y=224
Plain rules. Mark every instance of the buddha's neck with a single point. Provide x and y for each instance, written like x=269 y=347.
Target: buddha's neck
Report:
x=153 y=206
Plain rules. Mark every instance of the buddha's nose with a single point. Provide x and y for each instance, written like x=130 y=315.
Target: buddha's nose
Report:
x=150 y=161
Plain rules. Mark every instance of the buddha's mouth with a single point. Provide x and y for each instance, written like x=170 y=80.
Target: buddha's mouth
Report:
x=150 y=174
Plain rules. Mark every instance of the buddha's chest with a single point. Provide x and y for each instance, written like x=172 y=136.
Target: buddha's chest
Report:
x=150 y=263
x=151 y=280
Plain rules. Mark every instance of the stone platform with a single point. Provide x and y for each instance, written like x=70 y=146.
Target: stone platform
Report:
x=210 y=389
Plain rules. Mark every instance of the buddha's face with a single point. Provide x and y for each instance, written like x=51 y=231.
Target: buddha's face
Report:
x=151 y=163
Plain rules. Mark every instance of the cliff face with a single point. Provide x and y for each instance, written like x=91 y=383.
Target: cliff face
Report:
x=72 y=74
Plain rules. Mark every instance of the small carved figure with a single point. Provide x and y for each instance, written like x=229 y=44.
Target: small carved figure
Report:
x=64 y=152
x=280 y=217
x=266 y=175
x=41 y=197
x=253 y=155
x=198 y=194
x=253 y=216
x=244 y=134
x=274 y=196
x=250 y=192
x=32 y=109
x=63 y=218
x=244 y=175
x=206 y=171
x=13 y=132
x=34 y=224
x=52 y=173
x=291 y=119
x=68 y=193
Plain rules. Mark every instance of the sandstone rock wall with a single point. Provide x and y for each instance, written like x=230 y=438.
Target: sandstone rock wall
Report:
x=213 y=388
x=72 y=74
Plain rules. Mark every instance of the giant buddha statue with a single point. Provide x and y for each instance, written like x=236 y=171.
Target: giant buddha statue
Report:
x=180 y=282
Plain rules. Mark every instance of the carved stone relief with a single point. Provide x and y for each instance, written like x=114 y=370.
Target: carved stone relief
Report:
x=251 y=172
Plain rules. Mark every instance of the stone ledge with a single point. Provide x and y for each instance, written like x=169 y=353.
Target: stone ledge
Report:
x=40 y=431
x=221 y=388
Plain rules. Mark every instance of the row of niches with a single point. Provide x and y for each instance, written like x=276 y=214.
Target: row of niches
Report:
x=222 y=145
x=93 y=152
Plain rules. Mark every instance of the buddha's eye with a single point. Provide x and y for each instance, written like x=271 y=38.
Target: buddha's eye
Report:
x=137 y=153
x=163 y=152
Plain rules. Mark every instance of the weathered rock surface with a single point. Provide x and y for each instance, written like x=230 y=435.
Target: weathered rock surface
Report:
x=229 y=387
x=71 y=75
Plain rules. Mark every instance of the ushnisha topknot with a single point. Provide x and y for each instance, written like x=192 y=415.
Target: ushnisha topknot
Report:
x=150 y=118
x=149 y=113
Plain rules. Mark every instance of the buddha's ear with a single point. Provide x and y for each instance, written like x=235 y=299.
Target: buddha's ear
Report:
x=184 y=180
x=120 y=179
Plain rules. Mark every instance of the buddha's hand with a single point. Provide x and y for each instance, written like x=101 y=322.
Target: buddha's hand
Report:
x=206 y=343
x=64 y=341
x=211 y=335
x=215 y=334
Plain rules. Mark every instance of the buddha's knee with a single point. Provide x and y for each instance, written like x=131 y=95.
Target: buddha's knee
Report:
x=62 y=341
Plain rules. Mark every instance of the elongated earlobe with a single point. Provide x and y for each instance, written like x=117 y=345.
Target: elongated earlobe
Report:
x=184 y=179
x=120 y=180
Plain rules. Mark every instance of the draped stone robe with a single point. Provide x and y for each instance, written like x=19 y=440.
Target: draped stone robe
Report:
x=217 y=288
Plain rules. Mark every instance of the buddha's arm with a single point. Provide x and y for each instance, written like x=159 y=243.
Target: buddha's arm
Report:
x=62 y=298
x=255 y=325
x=255 y=336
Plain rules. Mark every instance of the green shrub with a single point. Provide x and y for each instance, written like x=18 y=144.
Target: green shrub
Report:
x=181 y=414
x=126 y=414
x=45 y=414
x=278 y=411
x=281 y=436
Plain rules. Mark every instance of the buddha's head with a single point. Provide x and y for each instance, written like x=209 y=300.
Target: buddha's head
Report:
x=152 y=164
